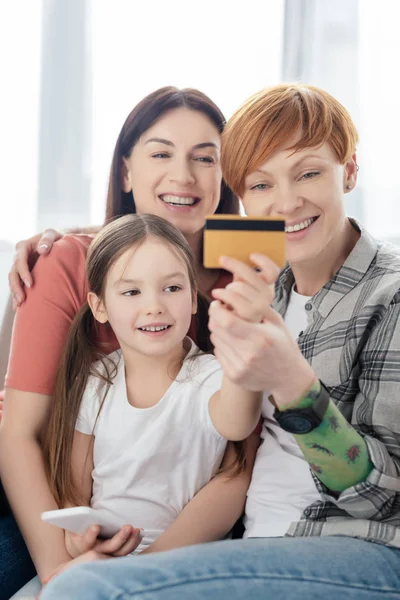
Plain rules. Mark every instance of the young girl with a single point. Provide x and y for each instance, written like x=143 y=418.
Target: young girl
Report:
x=138 y=432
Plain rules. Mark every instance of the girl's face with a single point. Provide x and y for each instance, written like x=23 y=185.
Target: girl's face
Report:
x=174 y=169
x=148 y=299
x=307 y=189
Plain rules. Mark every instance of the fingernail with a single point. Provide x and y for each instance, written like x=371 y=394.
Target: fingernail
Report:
x=43 y=247
x=27 y=283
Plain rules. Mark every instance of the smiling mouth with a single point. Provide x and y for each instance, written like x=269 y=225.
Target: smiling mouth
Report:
x=155 y=328
x=300 y=226
x=179 y=200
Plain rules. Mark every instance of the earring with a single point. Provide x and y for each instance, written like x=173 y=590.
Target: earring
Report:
x=348 y=187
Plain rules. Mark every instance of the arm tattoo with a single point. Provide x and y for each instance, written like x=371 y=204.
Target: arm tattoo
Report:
x=336 y=452
x=320 y=448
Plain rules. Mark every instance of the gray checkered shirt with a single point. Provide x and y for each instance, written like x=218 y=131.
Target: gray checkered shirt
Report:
x=353 y=344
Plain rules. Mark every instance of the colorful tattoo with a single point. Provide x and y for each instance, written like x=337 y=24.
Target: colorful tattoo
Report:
x=320 y=448
x=316 y=468
x=334 y=424
x=336 y=452
x=353 y=453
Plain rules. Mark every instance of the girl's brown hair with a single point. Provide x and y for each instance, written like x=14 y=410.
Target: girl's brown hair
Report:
x=142 y=117
x=82 y=352
x=269 y=121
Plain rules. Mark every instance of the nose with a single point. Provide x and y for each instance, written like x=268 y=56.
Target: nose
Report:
x=154 y=309
x=182 y=172
x=154 y=305
x=286 y=201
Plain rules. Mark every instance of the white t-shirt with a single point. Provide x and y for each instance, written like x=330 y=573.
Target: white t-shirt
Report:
x=149 y=462
x=282 y=485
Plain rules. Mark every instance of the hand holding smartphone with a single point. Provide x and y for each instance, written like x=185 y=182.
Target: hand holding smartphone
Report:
x=79 y=518
x=238 y=237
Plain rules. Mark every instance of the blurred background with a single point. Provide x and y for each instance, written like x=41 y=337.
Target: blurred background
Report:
x=71 y=71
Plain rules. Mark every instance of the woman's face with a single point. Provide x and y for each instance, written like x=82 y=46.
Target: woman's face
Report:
x=174 y=169
x=307 y=189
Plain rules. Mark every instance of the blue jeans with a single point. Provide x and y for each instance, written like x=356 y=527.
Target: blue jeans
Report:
x=256 y=569
x=16 y=567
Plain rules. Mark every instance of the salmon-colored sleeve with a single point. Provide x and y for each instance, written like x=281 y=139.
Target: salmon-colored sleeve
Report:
x=41 y=323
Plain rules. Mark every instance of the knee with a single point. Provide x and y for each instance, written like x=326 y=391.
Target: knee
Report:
x=77 y=582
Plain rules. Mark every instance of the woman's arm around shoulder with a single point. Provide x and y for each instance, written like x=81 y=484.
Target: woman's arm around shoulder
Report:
x=26 y=254
x=42 y=322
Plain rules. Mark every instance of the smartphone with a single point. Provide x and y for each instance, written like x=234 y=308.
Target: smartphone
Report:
x=238 y=237
x=79 y=518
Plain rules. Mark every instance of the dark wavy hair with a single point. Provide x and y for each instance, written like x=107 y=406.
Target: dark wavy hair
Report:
x=142 y=117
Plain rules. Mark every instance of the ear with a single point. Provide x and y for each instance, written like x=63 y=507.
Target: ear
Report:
x=97 y=307
x=126 y=175
x=350 y=174
x=194 y=303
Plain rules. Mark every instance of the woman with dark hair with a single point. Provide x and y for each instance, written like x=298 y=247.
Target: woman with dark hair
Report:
x=120 y=196
x=120 y=201
x=166 y=162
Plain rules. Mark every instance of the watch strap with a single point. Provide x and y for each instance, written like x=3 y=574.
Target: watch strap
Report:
x=314 y=403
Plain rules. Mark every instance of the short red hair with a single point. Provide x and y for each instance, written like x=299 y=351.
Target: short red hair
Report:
x=271 y=118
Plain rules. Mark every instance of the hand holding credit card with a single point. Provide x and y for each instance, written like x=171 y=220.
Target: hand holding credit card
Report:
x=238 y=237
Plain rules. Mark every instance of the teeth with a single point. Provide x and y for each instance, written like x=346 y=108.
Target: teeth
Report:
x=298 y=226
x=161 y=328
x=178 y=200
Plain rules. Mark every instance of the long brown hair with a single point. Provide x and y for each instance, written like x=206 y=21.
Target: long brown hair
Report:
x=82 y=352
x=142 y=117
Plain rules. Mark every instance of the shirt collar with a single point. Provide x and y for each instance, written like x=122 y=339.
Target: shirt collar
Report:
x=344 y=280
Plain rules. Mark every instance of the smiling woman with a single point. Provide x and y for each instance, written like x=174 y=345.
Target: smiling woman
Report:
x=174 y=169
x=306 y=188
x=298 y=163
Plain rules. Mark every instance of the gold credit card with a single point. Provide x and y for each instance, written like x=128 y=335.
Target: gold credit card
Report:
x=236 y=236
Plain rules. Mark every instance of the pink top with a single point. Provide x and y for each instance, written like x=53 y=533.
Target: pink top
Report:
x=42 y=322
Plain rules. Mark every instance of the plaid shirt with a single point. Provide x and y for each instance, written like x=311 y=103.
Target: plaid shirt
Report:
x=353 y=344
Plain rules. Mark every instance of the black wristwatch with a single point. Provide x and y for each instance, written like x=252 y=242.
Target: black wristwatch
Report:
x=304 y=420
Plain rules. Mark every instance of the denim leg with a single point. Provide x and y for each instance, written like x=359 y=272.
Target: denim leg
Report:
x=16 y=567
x=280 y=569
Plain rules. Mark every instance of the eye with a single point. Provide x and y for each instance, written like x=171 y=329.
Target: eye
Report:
x=259 y=186
x=130 y=293
x=160 y=155
x=310 y=175
x=173 y=288
x=205 y=159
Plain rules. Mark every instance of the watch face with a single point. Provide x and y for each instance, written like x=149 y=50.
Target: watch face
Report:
x=295 y=423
